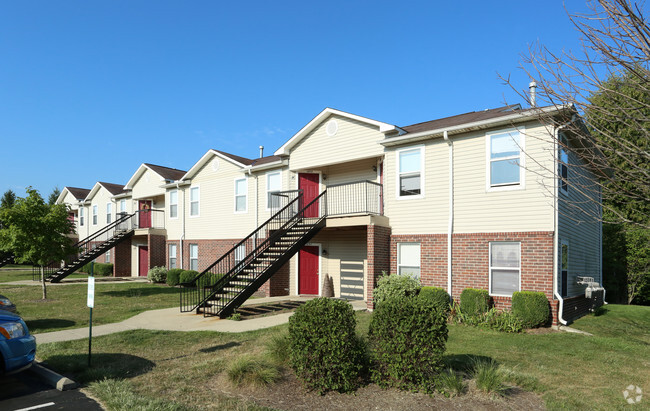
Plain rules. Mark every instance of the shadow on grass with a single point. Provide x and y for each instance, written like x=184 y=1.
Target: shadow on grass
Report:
x=103 y=365
x=600 y=311
x=464 y=362
x=140 y=292
x=45 y=324
x=220 y=347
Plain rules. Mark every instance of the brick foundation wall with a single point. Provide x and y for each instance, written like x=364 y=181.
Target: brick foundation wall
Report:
x=122 y=259
x=378 y=257
x=209 y=251
x=278 y=285
x=157 y=253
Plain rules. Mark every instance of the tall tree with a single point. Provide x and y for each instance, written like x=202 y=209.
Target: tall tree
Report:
x=8 y=199
x=54 y=195
x=36 y=232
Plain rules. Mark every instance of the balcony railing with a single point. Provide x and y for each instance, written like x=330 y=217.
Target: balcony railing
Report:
x=359 y=197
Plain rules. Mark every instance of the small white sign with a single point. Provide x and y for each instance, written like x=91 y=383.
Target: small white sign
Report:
x=91 y=292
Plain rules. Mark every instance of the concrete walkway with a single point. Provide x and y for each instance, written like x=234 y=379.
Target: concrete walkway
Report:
x=171 y=319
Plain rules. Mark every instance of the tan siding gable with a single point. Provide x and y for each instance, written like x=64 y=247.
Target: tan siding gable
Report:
x=148 y=185
x=353 y=140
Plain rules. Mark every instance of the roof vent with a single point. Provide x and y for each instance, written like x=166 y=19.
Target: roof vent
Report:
x=215 y=164
x=533 y=93
x=332 y=128
x=261 y=151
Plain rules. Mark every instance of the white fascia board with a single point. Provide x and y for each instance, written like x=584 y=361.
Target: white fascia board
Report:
x=267 y=166
x=204 y=159
x=286 y=147
x=62 y=195
x=494 y=122
x=93 y=191
x=177 y=183
x=129 y=185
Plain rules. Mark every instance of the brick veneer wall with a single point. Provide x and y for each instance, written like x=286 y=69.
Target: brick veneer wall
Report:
x=470 y=262
x=277 y=285
x=121 y=256
x=209 y=252
x=157 y=250
x=378 y=257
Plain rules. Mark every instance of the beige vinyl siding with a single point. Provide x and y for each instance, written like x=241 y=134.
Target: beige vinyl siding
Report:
x=346 y=251
x=261 y=182
x=147 y=186
x=351 y=172
x=354 y=140
x=579 y=224
x=101 y=197
x=174 y=226
x=73 y=206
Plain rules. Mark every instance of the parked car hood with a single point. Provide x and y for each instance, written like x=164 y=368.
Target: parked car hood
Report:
x=7 y=316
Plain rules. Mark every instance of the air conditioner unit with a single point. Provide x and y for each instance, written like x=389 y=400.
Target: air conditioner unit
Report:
x=594 y=292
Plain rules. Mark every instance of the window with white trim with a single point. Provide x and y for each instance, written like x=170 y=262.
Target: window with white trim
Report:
x=241 y=195
x=94 y=215
x=408 y=259
x=109 y=213
x=107 y=256
x=563 y=164
x=194 y=257
x=81 y=216
x=172 y=256
x=273 y=184
x=505 y=268
x=240 y=253
x=409 y=165
x=173 y=204
x=123 y=206
x=194 y=201
x=505 y=166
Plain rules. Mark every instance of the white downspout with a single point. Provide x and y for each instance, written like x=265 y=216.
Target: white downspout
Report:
x=182 y=225
x=450 y=226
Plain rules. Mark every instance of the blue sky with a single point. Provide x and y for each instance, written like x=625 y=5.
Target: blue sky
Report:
x=90 y=90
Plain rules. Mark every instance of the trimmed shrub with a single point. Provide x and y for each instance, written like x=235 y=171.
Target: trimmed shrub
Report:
x=324 y=350
x=157 y=275
x=474 y=302
x=438 y=296
x=208 y=280
x=394 y=285
x=103 y=269
x=531 y=308
x=187 y=276
x=173 y=276
x=407 y=339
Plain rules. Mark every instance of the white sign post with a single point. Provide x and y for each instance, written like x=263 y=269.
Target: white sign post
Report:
x=90 y=304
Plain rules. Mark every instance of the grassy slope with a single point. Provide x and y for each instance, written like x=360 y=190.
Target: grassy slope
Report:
x=66 y=307
x=570 y=371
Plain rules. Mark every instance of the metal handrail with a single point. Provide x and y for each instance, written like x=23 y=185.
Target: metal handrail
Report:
x=358 y=197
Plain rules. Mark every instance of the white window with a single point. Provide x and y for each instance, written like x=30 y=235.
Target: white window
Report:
x=109 y=213
x=505 y=268
x=273 y=184
x=194 y=257
x=81 y=216
x=122 y=206
x=240 y=253
x=564 y=268
x=563 y=165
x=241 y=195
x=194 y=201
x=172 y=256
x=410 y=177
x=505 y=162
x=94 y=215
x=173 y=204
x=107 y=256
x=408 y=259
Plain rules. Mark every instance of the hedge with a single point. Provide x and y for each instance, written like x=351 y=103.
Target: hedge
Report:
x=187 y=277
x=324 y=350
x=394 y=285
x=531 y=308
x=474 y=302
x=407 y=339
x=173 y=276
x=157 y=274
x=99 y=269
x=438 y=296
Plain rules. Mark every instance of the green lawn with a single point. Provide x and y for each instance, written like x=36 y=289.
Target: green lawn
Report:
x=569 y=371
x=25 y=274
x=66 y=307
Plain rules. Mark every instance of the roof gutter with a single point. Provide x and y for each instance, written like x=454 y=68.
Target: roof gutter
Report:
x=509 y=119
x=265 y=166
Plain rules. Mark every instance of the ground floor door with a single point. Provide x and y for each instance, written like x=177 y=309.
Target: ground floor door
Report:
x=308 y=270
x=143 y=260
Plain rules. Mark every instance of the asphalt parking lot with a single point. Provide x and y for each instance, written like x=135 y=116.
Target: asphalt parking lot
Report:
x=25 y=390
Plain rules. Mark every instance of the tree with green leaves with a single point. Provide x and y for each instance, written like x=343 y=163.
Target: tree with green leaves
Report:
x=36 y=232
x=8 y=199
x=54 y=195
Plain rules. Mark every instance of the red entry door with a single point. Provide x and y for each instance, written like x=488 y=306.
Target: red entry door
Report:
x=145 y=213
x=309 y=184
x=143 y=260
x=308 y=270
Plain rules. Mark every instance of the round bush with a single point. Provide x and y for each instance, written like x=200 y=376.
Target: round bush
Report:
x=531 y=308
x=188 y=276
x=437 y=296
x=324 y=350
x=157 y=275
x=173 y=276
x=208 y=279
x=394 y=285
x=407 y=341
x=474 y=302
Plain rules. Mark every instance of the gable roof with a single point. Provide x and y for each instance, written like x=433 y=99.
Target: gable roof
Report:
x=166 y=174
x=78 y=193
x=114 y=189
x=286 y=147
x=470 y=117
x=239 y=161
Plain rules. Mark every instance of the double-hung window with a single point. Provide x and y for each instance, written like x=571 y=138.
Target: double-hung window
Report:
x=563 y=164
x=122 y=207
x=505 y=268
x=172 y=256
x=173 y=204
x=194 y=201
x=240 y=254
x=107 y=256
x=273 y=184
x=505 y=159
x=408 y=259
x=94 y=215
x=410 y=175
x=241 y=195
x=194 y=257
x=81 y=216
x=109 y=213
